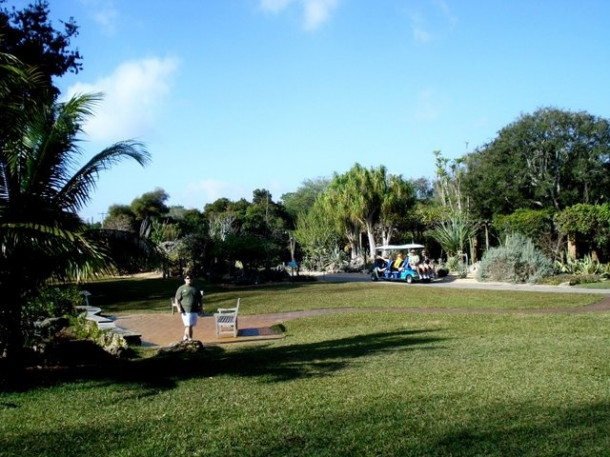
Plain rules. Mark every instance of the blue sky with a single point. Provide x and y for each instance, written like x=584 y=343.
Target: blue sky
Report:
x=234 y=95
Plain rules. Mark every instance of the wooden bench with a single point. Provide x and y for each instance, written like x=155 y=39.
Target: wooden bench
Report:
x=226 y=321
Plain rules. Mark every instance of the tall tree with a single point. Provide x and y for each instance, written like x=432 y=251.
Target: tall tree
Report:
x=29 y=35
x=317 y=236
x=41 y=192
x=449 y=187
x=396 y=202
x=302 y=200
x=150 y=205
x=551 y=158
x=339 y=203
x=370 y=198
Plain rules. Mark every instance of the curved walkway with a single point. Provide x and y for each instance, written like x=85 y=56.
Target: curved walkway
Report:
x=160 y=330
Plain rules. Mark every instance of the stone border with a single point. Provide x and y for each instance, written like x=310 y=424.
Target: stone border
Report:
x=106 y=323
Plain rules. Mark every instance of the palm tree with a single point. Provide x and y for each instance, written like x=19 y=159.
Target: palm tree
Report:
x=41 y=192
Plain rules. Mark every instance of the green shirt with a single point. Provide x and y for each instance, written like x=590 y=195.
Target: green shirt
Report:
x=189 y=298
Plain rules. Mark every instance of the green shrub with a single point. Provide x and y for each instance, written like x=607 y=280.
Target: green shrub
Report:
x=585 y=266
x=457 y=265
x=442 y=271
x=53 y=302
x=517 y=261
x=83 y=329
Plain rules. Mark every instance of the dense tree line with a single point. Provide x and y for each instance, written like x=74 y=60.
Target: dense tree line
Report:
x=532 y=179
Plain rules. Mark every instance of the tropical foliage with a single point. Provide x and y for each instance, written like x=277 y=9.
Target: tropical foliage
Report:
x=587 y=227
x=43 y=186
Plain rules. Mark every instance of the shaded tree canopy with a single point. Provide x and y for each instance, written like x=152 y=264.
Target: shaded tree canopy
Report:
x=29 y=35
x=551 y=158
x=150 y=204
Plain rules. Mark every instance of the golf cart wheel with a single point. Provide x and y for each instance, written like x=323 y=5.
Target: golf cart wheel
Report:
x=409 y=279
x=374 y=278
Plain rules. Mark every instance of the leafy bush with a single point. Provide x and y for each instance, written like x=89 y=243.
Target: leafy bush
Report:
x=517 y=261
x=442 y=271
x=83 y=329
x=585 y=266
x=456 y=264
x=53 y=302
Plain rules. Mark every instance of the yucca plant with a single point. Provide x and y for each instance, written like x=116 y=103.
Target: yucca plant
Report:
x=454 y=234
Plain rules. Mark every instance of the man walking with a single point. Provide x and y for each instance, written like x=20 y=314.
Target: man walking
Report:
x=188 y=298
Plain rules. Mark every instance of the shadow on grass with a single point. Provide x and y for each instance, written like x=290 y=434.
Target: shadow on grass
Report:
x=573 y=431
x=508 y=429
x=270 y=363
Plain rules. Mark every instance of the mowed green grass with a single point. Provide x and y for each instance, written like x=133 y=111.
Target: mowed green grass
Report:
x=125 y=296
x=357 y=383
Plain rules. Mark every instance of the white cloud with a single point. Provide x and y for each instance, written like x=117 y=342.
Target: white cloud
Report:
x=316 y=12
x=104 y=12
x=430 y=20
x=445 y=9
x=421 y=35
x=133 y=96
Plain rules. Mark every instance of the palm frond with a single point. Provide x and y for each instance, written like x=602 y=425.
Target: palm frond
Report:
x=75 y=192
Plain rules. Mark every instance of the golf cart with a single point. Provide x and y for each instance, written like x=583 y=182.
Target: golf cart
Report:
x=385 y=269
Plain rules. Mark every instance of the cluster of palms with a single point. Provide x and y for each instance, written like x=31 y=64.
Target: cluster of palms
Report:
x=44 y=182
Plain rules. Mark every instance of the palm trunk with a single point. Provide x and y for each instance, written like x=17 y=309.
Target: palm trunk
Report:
x=11 y=335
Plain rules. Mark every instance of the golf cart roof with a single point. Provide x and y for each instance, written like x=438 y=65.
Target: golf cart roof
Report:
x=399 y=247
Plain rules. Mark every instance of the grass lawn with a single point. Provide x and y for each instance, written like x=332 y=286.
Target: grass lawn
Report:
x=359 y=383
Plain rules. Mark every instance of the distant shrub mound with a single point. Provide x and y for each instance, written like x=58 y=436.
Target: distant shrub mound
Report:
x=517 y=261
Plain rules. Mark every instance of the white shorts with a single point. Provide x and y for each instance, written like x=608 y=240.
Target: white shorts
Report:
x=189 y=319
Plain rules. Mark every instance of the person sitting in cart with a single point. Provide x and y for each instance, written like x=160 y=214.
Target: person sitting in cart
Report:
x=415 y=262
x=427 y=266
x=398 y=263
x=381 y=265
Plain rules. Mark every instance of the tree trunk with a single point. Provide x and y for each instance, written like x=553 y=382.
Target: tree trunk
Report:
x=11 y=336
x=572 y=253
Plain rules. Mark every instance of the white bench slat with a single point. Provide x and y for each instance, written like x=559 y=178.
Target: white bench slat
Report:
x=226 y=320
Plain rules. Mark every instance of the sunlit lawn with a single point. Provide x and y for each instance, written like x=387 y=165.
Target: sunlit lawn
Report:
x=359 y=383
x=153 y=295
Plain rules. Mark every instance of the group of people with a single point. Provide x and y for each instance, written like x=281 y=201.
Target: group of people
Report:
x=423 y=266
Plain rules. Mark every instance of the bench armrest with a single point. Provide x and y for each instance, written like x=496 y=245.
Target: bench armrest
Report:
x=226 y=310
